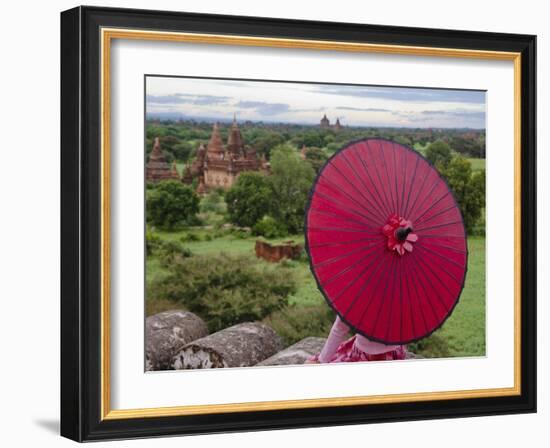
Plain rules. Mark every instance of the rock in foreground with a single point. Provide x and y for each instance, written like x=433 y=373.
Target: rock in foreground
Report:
x=241 y=345
x=295 y=354
x=168 y=332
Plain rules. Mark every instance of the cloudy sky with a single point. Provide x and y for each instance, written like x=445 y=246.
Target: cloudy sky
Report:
x=306 y=103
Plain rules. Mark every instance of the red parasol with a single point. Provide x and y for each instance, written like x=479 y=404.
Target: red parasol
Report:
x=386 y=241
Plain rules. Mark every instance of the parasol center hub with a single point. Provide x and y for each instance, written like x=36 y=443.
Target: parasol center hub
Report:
x=402 y=233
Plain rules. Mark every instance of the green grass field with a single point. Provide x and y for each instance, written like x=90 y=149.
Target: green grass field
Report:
x=477 y=164
x=420 y=148
x=463 y=334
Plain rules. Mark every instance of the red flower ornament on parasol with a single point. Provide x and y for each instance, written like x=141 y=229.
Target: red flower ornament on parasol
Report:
x=386 y=241
x=399 y=233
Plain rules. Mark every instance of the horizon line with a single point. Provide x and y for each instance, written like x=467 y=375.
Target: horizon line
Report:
x=180 y=117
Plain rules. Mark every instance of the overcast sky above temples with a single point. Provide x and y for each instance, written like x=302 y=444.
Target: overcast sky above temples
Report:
x=207 y=99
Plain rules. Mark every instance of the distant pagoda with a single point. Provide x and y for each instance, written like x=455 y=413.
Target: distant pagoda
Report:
x=325 y=123
x=157 y=168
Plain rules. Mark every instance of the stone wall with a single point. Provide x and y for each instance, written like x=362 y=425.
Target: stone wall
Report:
x=275 y=253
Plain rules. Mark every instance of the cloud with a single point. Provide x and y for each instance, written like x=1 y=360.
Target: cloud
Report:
x=314 y=109
x=412 y=94
x=459 y=113
x=164 y=99
x=264 y=108
x=445 y=118
x=364 y=109
x=182 y=98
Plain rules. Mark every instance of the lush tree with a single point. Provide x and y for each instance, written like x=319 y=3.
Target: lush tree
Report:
x=248 y=200
x=475 y=200
x=473 y=146
x=311 y=138
x=439 y=154
x=155 y=130
x=171 y=203
x=291 y=179
x=316 y=157
x=266 y=141
x=468 y=189
x=183 y=151
x=167 y=143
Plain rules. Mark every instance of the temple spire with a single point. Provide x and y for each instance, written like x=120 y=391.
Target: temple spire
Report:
x=174 y=171
x=215 y=145
x=156 y=148
x=235 y=143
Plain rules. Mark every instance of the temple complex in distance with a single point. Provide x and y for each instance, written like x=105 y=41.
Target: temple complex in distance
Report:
x=325 y=123
x=157 y=168
x=218 y=165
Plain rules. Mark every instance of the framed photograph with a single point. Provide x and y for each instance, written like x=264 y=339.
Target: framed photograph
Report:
x=277 y=224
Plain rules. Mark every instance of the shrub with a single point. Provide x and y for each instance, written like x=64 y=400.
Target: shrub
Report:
x=171 y=251
x=269 y=228
x=152 y=241
x=239 y=234
x=296 y=322
x=213 y=203
x=170 y=204
x=248 y=199
x=225 y=290
x=189 y=237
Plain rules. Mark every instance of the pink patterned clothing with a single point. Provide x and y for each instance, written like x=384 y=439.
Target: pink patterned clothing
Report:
x=356 y=348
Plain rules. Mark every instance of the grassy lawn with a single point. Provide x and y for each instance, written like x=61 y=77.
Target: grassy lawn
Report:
x=477 y=164
x=463 y=334
x=420 y=148
x=465 y=329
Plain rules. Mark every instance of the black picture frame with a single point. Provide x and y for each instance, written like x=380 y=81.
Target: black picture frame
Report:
x=81 y=224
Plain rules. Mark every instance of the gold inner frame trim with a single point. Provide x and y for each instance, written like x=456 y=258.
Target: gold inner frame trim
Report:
x=107 y=35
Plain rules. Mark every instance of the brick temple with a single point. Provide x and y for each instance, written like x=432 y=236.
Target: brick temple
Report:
x=218 y=165
x=157 y=168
